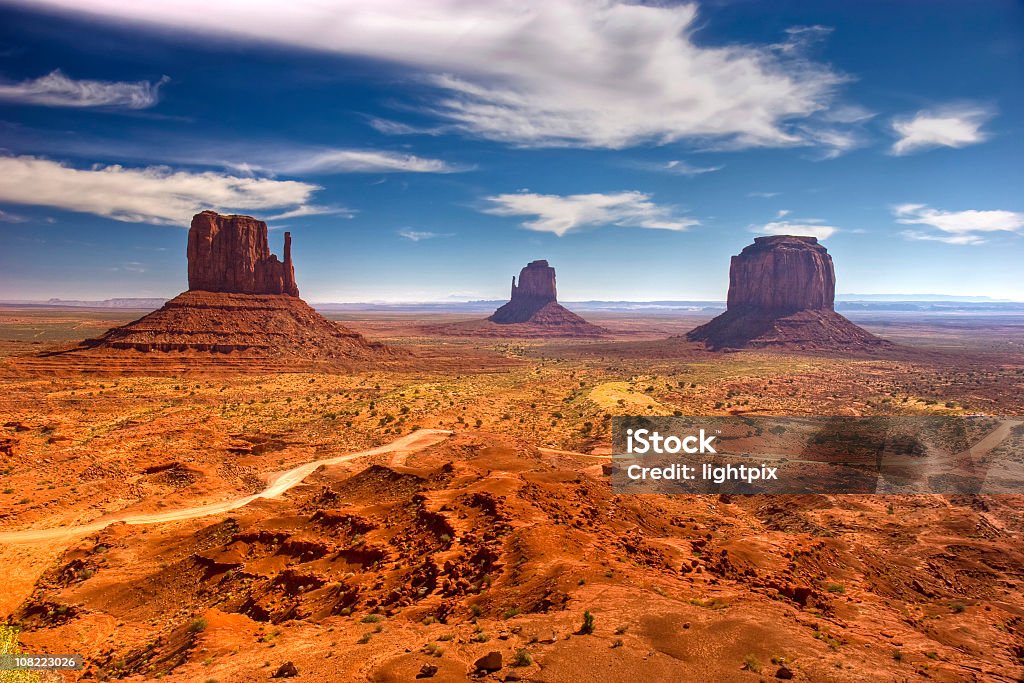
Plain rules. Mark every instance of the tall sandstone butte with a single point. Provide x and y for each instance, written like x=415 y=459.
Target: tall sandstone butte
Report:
x=535 y=290
x=534 y=309
x=232 y=254
x=782 y=294
x=782 y=273
x=241 y=301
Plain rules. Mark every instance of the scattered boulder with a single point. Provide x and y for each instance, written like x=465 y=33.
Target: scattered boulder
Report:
x=427 y=671
x=286 y=670
x=489 y=662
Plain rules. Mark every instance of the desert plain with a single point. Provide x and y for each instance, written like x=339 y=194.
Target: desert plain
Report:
x=464 y=510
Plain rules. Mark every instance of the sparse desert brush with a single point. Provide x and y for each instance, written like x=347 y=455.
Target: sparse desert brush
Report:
x=371 y=618
x=588 y=623
x=522 y=658
x=198 y=625
x=752 y=663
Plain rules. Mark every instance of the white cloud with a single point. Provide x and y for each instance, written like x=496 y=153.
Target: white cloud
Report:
x=560 y=214
x=810 y=227
x=312 y=210
x=361 y=161
x=8 y=217
x=917 y=235
x=154 y=194
x=418 y=235
x=950 y=126
x=763 y=195
x=57 y=90
x=675 y=167
x=957 y=227
x=593 y=73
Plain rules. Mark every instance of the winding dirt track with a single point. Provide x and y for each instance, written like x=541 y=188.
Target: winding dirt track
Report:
x=278 y=483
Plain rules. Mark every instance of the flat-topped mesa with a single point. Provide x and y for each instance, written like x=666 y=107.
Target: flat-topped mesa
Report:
x=231 y=254
x=782 y=273
x=782 y=294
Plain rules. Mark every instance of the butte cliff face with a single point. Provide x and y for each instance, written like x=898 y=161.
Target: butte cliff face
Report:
x=535 y=290
x=533 y=306
x=242 y=303
x=798 y=273
x=782 y=294
x=231 y=254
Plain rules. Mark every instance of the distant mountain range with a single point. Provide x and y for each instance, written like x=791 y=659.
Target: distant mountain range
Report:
x=916 y=297
x=935 y=303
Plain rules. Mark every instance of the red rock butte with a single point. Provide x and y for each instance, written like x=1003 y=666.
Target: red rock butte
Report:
x=782 y=294
x=231 y=254
x=534 y=303
x=242 y=308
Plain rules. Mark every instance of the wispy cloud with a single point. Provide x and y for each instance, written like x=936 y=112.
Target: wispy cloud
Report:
x=58 y=90
x=361 y=161
x=956 y=227
x=810 y=227
x=560 y=214
x=8 y=217
x=312 y=210
x=154 y=194
x=590 y=73
x=675 y=167
x=949 y=126
x=419 y=235
x=763 y=195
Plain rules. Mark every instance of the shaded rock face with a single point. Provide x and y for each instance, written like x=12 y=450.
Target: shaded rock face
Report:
x=535 y=290
x=231 y=254
x=534 y=303
x=241 y=302
x=782 y=294
x=536 y=283
x=782 y=273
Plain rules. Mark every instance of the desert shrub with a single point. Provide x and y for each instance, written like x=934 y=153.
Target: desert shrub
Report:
x=588 y=623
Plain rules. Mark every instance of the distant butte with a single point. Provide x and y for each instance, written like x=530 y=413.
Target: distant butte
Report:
x=242 y=303
x=534 y=304
x=782 y=294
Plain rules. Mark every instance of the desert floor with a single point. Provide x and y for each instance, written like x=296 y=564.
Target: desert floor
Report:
x=463 y=510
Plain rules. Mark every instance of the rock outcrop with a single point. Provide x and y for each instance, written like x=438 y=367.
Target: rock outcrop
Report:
x=534 y=304
x=782 y=273
x=231 y=254
x=242 y=304
x=535 y=290
x=782 y=294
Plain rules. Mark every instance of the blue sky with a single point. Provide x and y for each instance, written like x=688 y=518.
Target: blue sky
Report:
x=428 y=150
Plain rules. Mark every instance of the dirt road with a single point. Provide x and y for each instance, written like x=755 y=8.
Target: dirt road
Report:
x=278 y=483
